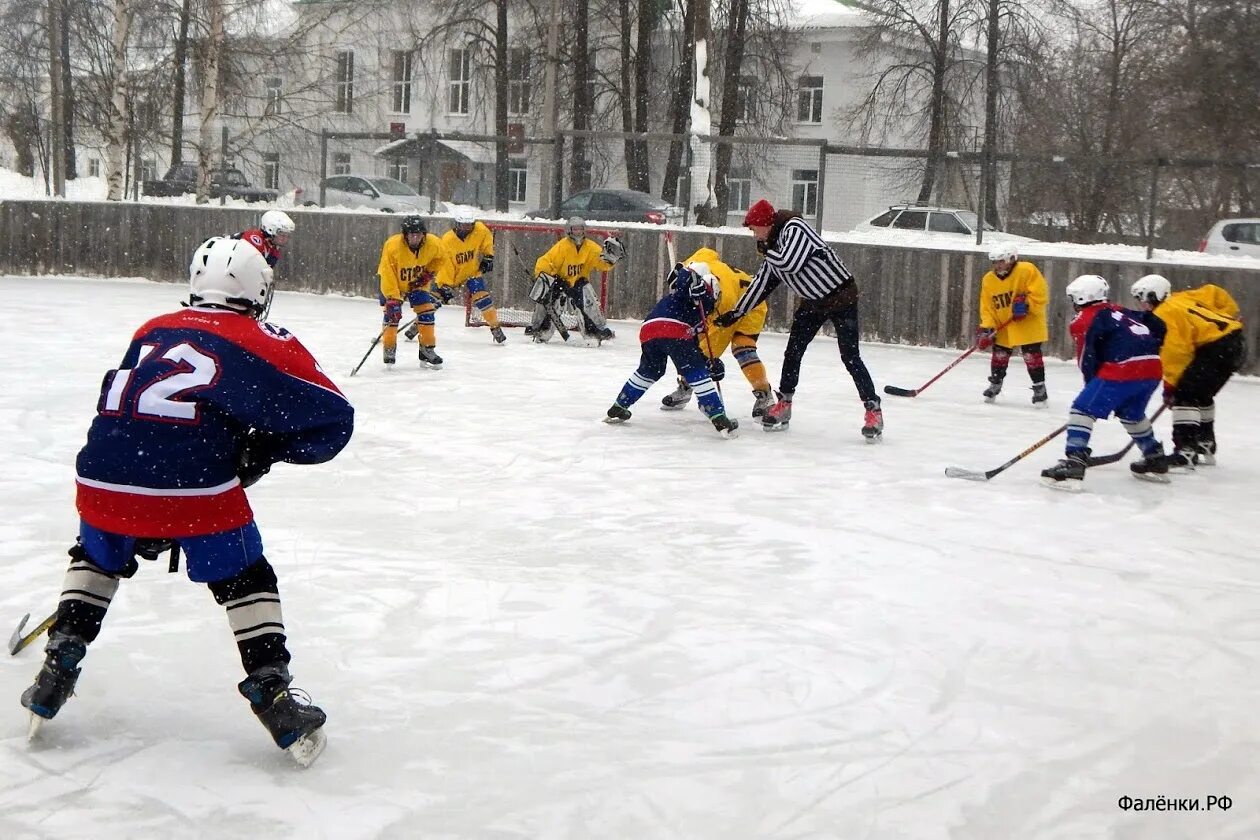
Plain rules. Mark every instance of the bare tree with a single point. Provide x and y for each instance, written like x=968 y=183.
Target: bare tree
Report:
x=117 y=124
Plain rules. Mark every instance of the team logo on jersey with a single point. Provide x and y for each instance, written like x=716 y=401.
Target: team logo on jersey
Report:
x=275 y=331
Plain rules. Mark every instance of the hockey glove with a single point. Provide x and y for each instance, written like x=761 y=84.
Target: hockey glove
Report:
x=613 y=250
x=1019 y=309
x=985 y=337
x=726 y=319
x=717 y=370
x=487 y=264
x=256 y=457
x=446 y=293
x=393 y=312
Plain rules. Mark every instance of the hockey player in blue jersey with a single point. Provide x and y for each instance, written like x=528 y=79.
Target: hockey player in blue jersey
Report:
x=669 y=333
x=1117 y=350
x=205 y=400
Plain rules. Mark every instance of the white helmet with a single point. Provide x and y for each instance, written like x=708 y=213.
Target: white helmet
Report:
x=575 y=223
x=704 y=281
x=275 y=222
x=1088 y=288
x=465 y=217
x=230 y=274
x=1008 y=253
x=1153 y=288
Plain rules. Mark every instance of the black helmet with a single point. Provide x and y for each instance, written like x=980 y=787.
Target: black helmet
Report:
x=414 y=224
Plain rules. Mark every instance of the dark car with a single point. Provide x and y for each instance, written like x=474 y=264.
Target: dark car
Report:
x=614 y=206
x=230 y=182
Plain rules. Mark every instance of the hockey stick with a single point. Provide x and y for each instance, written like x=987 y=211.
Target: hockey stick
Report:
x=708 y=342
x=893 y=390
x=1103 y=460
x=975 y=475
x=17 y=641
x=375 y=342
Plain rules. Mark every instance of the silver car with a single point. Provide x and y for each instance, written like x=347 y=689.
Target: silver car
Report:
x=388 y=195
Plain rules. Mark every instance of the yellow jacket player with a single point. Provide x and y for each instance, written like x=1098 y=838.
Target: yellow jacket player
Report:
x=564 y=273
x=1203 y=348
x=409 y=263
x=470 y=246
x=1013 y=299
x=741 y=336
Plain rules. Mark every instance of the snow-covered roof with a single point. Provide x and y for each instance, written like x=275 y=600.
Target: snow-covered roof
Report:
x=827 y=14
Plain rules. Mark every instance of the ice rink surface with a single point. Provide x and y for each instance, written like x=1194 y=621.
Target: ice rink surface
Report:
x=524 y=623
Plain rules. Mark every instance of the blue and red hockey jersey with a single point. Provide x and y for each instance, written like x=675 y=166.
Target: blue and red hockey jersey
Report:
x=677 y=315
x=161 y=454
x=1117 y=344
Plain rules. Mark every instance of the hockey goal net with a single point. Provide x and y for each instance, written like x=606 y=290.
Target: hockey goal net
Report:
x=516 y=248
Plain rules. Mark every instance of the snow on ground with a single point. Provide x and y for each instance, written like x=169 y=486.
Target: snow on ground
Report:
x=525 y=623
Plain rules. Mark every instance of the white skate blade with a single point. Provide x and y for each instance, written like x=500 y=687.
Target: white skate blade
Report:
x=778 y=427
x=306 y=749
x=1067 y=485
x=1153 y=478
x=615 y=421
x=1205 y=459
x=33 y=726
x=1041 y=405
x=729 y=433
x=875 y=438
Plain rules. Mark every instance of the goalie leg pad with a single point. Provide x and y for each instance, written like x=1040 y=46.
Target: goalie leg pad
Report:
x=252 y=601
x=589 y=303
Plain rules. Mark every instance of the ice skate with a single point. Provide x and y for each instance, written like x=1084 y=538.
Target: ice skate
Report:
x=725 y=426
x=602 y=333
x=1068 y=474
x=1152 y=467
x=390 y=355
x=1183 y=459
x=761 y=403
x=677 y=399
x=430 y=358
x=873 y=422
x=292 y=721
x=497 y=334
x=995 y=388
x=1205 y=453
x=54 y=684
x=1040 y=399
x=617 y=414
x=778 y=416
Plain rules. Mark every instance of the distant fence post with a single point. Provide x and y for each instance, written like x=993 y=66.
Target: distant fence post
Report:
x=1151 y=205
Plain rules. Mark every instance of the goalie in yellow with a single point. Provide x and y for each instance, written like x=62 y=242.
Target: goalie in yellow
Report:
x=410 y=261
x=564 y=274
x=470 y=246
x=741 y=336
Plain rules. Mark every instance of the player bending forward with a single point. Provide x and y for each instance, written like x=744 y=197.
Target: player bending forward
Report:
x=1118 y=353
x=410 y=261
x=205 y=400
x=670 y=333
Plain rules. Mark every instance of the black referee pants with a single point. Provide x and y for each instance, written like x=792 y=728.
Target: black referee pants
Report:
x=806 y=322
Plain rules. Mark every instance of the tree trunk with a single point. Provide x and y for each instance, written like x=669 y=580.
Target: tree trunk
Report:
x=579 y=167
x=680 y=107
x=700 y=122
x=177 y=96
x=732 y=62
x=936 y=105
x=67 y=93
x=57 y=154
x=639 y=170
x=23 y=132
x=206 y=145
x=501 y=174
x=993 y=42
x=626 y=98
x=116 y=128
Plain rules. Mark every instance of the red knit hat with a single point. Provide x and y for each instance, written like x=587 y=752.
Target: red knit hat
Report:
x=760 y=214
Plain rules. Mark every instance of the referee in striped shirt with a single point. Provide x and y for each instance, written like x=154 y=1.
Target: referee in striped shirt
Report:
x=796 y=255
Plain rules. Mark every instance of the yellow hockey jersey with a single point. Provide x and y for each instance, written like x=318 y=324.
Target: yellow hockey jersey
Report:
x=732 y=281
x=997 y=294
x=1214 y=297
x=465 y=254
x=402 y=269
x=570 y=263
x=1192 y=324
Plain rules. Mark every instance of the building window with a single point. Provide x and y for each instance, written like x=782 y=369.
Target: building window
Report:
x=805 y=191
x=271 y=170
x=739 y=190
x=344 y=84
x=809 y=100
x=341 y=163
x=459 y=66
x=397 y=169
x=401 y=63
x=518 y=81
x=94 y=168
x=518 y=180
x=272 y=95
x=746 y=99
x=148 y=169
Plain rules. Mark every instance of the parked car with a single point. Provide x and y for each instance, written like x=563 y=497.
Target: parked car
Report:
x=182 y=178
x=386 y=194
x=942 y=220
x=614 y=206
x=1240 y=237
